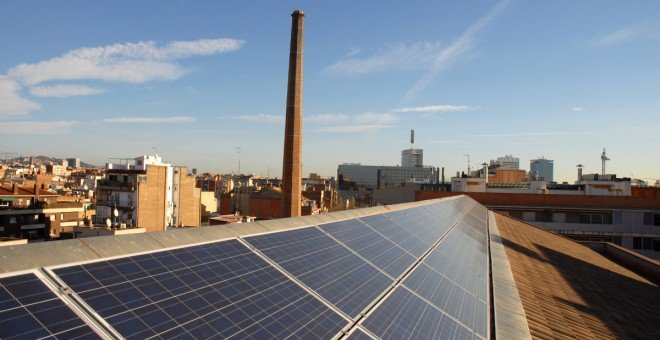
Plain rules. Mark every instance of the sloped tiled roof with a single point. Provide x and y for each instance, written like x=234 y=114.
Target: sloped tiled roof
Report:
x=8 y=190
x=569 y=291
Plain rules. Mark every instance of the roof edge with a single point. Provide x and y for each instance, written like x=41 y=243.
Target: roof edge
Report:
x=510 y=320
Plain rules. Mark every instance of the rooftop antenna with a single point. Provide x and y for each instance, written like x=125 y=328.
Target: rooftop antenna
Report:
x=412 y=138
x=603 y=159
x=238 y=149
x=468 y=163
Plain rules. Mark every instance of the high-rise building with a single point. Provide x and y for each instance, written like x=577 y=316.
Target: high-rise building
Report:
x=508 y=161
x=542 y=168
x=412 y=157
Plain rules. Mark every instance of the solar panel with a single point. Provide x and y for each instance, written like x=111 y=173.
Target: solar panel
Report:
x=371 y=245
x=324 y=265
x=397 y=234
x=30 y=310
x=449 y=297
x=309 y=282
x=213 y=290
x=421 y=223
x=403 y=315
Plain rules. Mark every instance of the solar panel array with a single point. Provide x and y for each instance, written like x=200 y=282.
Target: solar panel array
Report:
x=410 y=273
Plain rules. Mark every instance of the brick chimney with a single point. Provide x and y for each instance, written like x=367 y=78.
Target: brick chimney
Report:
x=292 y=163
x=14 y=188
x=36 y=192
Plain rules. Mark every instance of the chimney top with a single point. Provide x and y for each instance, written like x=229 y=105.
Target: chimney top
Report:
x=298 y=12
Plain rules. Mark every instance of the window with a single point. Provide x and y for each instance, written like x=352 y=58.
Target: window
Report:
x=646 y=243
x=656 y=220
x=516 y=214
x=113 y=177
x=572 y=218
x=597 y=219
x=607 y=218
x=12 y=220
x=543 y=217
x=585 y=218
x=656 y=244
x=637 y=243
x=648 y=218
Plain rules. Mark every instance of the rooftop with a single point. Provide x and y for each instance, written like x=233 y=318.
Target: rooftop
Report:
x=569 y=291
x=408 y=270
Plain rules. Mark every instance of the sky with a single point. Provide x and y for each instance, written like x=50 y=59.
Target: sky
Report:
x=194 y=81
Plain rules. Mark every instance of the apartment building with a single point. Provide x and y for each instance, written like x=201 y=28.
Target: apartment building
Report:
x=144 y=192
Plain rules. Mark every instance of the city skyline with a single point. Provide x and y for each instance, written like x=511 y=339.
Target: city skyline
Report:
x=196 y=81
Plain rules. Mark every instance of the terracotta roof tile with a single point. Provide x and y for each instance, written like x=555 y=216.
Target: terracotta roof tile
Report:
x=569 y=291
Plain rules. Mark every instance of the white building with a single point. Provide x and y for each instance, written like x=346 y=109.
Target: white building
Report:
x=412 y=158
x=508 y=161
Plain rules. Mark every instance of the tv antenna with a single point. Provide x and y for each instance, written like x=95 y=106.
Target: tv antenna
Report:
x=469 y=168
x=238 y=149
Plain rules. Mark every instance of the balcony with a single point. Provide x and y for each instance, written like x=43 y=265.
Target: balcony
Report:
x=117 y=185
x=115 y=203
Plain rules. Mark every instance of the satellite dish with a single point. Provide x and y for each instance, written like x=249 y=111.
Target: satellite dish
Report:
x=116 y=212
x=108 y=222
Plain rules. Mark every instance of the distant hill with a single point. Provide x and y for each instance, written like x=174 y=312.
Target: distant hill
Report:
x=25 y=160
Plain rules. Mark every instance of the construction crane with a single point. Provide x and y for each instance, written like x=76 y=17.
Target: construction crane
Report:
x=603 y=159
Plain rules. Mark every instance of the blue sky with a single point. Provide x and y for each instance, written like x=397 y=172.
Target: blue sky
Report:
x=194 y=79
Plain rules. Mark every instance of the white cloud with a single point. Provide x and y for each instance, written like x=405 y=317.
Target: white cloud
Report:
x=363 y=122
x=459 y=48
x=327 y=118
x=375 y=118
x=397 y=56
x=523 y=134
x=644 y=30
x=353 y=128
x=130 y=62
x=23 y=128
x=578 y=109
x=435 y=108
x=11 y=102
x=264 y=118
x=64 y=91
x=151 y=120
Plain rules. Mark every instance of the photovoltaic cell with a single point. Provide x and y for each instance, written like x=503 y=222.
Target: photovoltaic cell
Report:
x=371 y=245
x=402 y=315
x=449 y=297
x=358 y=334
x=327 y=267
x=397 y=234
x=218 y=289
x=30 y=310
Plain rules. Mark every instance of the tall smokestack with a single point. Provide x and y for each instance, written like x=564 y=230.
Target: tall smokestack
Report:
x=291 y=168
